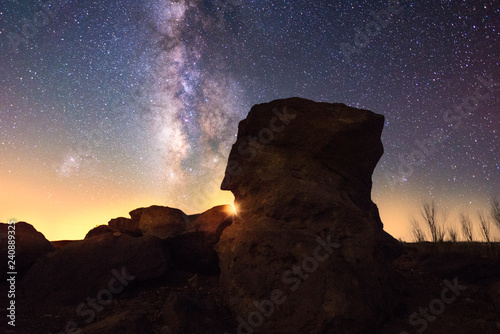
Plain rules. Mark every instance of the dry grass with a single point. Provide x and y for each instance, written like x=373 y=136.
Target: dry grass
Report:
x=467 y=228
x=435 y=222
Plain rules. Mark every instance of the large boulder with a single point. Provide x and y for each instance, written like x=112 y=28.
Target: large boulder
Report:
x=98 y=267
x=160 y=221
x=194 y=249
x=30 y=245
x=126 y=225
x=98 y=230
x=307 y=252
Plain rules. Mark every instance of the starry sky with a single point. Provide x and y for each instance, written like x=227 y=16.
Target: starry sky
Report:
x=106 y=106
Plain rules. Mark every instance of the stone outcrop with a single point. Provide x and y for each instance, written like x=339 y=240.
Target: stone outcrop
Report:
x=82 y=269
x=194 y=250
x=98 y=230
x=307 y=252
x=30 y=245
x=190 y=240
x=160 y=221
x=126 y=225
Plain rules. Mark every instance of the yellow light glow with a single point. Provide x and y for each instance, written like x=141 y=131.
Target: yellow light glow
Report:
x=233 y=209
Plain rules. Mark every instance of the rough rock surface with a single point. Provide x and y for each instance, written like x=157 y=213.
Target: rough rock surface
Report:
x=307 y=252
x=30 y=245
x=98 y=230
x=160 y=221
x=81 y=269
x=126 y=225
x=194 y=249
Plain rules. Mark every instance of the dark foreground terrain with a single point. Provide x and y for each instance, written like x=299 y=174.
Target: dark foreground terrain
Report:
x=187 y=303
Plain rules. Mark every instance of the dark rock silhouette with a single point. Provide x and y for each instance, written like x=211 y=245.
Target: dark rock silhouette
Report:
x=160 y=221
x=98 y=230
x=307 y=231
x=194 y=250
x=126 y=225
x=81 y=269
x=189 y=239
x=30 y=245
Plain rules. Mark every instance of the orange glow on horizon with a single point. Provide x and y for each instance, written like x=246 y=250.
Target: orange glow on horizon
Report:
x=68 y=210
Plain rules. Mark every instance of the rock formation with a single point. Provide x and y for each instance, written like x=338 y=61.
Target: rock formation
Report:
x=30 y=245
x=160 y=221
x=307 y=252
x=98 y=230
x=80 y=270
x=193 y=250
x=126 y=225
x=189 y=239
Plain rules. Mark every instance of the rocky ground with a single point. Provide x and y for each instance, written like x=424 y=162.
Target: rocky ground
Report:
x=188 y=303
x=426 y=267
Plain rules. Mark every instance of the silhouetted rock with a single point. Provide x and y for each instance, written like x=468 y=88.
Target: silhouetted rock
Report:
x=194 y=249
x=126 y=225
x=160 y=221
x=81 y=269
x=30 y=245
x=98 y=230
x=307 y=252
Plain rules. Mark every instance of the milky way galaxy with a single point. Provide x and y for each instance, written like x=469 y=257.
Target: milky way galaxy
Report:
x=194 y=103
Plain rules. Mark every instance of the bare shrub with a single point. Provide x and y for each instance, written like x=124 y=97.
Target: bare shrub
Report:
x=429 y=213
x=485 y=226
x=495 y=212
x=467 y=230
x=452 y=233
x=417 y=234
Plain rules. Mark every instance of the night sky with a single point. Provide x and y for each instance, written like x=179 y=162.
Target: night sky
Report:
x=106 y=106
